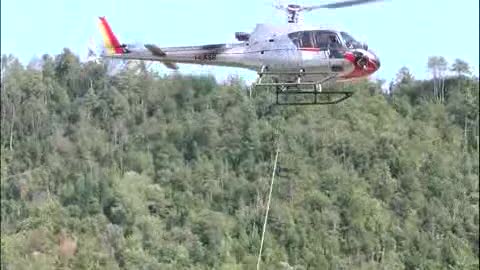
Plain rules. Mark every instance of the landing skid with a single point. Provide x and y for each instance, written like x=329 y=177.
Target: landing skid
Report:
x=303 y=90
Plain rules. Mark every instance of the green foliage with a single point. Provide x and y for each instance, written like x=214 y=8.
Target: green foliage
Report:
x=138 y=171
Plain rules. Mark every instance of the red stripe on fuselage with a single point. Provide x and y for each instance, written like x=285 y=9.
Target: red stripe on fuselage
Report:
x=310 y=49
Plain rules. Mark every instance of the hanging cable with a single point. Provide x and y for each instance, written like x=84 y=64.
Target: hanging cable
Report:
x=268 y=207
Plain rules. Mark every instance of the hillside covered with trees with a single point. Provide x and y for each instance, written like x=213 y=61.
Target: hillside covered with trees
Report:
x=136 y=170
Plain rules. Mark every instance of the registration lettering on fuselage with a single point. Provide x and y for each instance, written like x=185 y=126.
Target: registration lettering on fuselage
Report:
x=207 y=56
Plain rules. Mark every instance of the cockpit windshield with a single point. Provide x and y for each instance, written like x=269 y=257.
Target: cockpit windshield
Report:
x=350 y=42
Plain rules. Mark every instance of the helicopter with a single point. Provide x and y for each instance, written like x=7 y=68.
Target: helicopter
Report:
x=294 y=59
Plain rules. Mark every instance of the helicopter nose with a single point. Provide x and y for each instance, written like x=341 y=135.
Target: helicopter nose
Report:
x=374 y=61
x=364 y=62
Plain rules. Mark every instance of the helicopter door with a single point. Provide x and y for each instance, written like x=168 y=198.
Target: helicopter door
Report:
x=330 y=44
x=319 y=49
x=310 y=55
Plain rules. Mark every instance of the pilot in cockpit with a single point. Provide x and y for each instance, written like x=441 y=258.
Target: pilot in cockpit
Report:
x=334 y=46
x=333 y=41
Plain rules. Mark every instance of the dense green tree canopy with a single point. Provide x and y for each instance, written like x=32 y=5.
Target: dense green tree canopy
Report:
x=140 y=171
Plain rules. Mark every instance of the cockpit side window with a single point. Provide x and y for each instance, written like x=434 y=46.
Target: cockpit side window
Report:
x=307 y=41
x=315 y=39
x=321 y=40
x=295 y=37
x=326 y=40
x=302 y=39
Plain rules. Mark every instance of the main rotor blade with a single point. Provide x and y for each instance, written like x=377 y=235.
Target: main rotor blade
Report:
x=340 y=4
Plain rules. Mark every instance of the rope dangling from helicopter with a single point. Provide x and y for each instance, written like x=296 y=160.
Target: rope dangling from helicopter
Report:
x=268 y=206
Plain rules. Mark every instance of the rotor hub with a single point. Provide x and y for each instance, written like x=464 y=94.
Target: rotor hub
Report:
x=293 y=13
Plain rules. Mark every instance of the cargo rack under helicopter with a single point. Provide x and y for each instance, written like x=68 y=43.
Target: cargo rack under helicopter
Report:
x=302 y=89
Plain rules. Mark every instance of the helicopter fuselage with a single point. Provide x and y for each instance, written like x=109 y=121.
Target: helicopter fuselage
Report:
x=296 y=59
x=282 y=51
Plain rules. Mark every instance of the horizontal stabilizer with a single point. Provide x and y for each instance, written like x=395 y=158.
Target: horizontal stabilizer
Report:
x=171 y=65
x=155 y=50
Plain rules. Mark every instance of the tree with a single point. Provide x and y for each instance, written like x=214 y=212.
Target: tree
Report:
x=460 y=67
x=437 y=66
x=404 y=76
x=173 y=172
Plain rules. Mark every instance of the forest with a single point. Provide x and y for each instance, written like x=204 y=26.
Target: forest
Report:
x=134 y=169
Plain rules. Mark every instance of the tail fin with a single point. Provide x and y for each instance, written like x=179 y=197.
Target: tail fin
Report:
x=112 y=45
